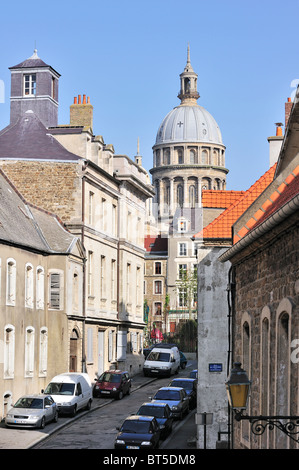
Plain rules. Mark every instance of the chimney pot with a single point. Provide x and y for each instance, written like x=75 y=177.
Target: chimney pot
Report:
x=79 y=99
x=84 y=99
x=88 y=100
x=75 y=100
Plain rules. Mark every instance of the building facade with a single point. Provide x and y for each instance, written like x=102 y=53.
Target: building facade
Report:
x=100 y=197
x=265 y=309
x=41 y=266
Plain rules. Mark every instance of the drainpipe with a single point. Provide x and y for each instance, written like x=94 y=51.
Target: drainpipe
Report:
x=84 y=270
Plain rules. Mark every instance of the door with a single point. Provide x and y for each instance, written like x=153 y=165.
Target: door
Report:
x=101 y=352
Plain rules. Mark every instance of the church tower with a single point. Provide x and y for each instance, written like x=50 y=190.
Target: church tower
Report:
x=188 y=154
x=34 y=86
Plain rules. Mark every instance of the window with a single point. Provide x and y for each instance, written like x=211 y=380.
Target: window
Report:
x=29 y=285
x=104 y=215
x=192 y=196
x=40 y=288
x=29 y=351
x=158 y=287
x=180 y=195
x=158 y=308
x=89 y=348
x=128 y=283
x=158 y=268
x=91 y=208
x=182 y=249
x=11 y=282
x=55 y=294
x=182 y=271
x=9 y=351
x=182 y=225
x=114 y=220
x=43 y=351
x=138 y=286
x=103 y=278
x=183 y=297
x=90 y=273
x=30 y=85
x=113 y=280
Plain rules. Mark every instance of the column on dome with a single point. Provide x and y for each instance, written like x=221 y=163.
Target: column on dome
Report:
x=199 y=191
x=171 y=195
x=186 y=192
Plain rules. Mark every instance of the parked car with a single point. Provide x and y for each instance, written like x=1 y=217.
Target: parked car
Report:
x=71 y=391
x=32 y=411
x=161 y=412
x=183 y=360
x=190 y=386
x=138 y=432
x=113 y=383
x=193 y=374
x=163 y=360
x=176 y=398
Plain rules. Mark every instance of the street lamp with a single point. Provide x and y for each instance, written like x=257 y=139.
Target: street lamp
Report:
x=238 y=388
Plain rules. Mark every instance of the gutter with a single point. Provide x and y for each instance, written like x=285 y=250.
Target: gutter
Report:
x=279 y=216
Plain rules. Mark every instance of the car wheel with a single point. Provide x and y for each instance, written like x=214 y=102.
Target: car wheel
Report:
x=74 y=411
x=129 y=391
x=55 y=419
x=183 y=366
x=120 y=395
x=43 y=423
x=88 y=406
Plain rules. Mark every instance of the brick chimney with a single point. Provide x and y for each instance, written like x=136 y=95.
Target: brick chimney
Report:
x=288 y=107
x=81 y=112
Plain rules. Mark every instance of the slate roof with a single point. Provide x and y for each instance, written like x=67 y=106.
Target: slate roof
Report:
x=221 y=227
x=24 y=225
x=29 y=139
x=156 y=244
x=32 y=62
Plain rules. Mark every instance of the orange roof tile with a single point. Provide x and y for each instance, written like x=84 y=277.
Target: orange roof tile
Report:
x=221 y=227
x=219 y=198
x=284 y=193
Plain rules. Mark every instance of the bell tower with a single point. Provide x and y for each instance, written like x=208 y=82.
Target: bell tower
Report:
x=34 y=86
x=188 y=93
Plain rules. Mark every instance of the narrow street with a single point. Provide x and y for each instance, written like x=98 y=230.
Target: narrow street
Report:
x=96 y=429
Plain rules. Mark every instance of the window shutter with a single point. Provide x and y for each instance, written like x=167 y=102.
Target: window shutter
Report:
x=121 y=345
x=55 y=290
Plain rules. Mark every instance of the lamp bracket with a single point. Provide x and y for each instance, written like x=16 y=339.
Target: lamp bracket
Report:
x=289 y=425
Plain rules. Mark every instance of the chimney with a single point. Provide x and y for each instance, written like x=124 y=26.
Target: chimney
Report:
x=275 y=143
x=288 y=108
x=81 y=114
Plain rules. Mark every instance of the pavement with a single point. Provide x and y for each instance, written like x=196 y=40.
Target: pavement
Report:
x=18 y=438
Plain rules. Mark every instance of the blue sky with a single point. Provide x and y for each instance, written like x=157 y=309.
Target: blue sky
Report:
x=127 y=56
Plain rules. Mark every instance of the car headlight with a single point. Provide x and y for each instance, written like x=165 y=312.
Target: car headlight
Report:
x=66 y=403
x=119 y=441
x=146 y=443
x=175 y=408
x=114 y=389
x=9 y=415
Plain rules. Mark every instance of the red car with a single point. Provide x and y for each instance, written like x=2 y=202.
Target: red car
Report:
x=112 y=383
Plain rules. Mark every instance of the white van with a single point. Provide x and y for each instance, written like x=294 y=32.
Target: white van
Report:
x=163 y=360
x=71 y=391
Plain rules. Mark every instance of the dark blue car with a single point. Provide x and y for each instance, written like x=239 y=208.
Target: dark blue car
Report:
x=161 y=412
x=190 y=386
x=138 y=432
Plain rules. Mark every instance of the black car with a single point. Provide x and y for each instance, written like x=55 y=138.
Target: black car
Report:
x=138 y=432
x=112 y=383
x=161 y=412
x=190 y=386
x=176 y=398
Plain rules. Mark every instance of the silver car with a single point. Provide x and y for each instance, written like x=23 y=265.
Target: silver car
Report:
x=32 y=411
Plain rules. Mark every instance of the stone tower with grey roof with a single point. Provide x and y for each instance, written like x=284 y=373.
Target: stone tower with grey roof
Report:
x=34 y=86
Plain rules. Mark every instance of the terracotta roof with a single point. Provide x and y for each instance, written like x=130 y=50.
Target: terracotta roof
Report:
x=283 y=194
x=219 y=198
x=156 y=244
x=221 y=227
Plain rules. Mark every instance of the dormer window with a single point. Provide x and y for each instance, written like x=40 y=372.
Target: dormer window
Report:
x=30 y=85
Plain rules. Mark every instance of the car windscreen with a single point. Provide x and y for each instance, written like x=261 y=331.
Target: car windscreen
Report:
x=183 y=383
x=167 y=395
x=60 y=389
x=158 y=356
x=136 y=426
x=156 y=411
x=33 y=403
x=107 y=377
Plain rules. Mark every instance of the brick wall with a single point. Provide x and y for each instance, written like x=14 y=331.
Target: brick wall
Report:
x=48 y=185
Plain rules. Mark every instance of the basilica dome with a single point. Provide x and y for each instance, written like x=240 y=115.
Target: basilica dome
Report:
x=188 y=124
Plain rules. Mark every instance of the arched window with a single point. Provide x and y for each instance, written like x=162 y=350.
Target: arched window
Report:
x=166 y=157
x=205 y=157
x=180 y=157
x=192 y=196
x=40 y=288
x=29 y=285
x=11 y=282
x=29 y=352
x=9 y=351
x=43 y=351
x=180 y=195
x=192 y=157
x=158 y=158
